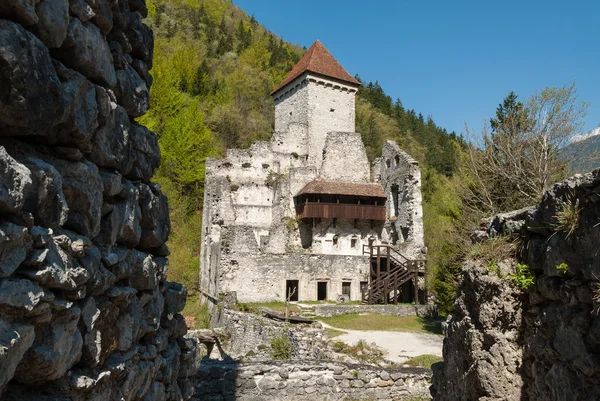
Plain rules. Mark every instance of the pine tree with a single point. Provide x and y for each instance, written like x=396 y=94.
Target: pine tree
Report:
x=201 y=85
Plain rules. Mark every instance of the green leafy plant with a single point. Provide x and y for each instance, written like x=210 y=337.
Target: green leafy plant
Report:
x=567 y=217
x=493 y=267
x=562 y=268
x=281 y=348
x=522 y=277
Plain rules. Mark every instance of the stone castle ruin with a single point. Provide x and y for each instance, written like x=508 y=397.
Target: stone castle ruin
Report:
x=305 y=215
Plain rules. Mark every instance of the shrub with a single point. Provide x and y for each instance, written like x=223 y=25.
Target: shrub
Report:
x=281 y=348
x=274 y=178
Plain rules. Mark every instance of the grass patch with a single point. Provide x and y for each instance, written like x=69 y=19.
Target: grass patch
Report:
x=332 y=333
x=197 y=311
x=276 y=306
x=499 y=248
x=372 y=321
x=424 y=361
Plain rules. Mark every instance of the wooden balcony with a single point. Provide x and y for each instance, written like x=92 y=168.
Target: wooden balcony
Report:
x=323 y=210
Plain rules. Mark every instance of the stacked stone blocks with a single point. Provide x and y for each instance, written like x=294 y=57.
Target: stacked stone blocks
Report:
x=86 y=312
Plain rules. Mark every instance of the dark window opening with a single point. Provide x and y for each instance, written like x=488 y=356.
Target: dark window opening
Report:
x=397 y=160
x=322 y=291
x=395 y=200
x=353 y=242
x=291 y=290
x=387 y=163
x=346 y=288
x=335 y=240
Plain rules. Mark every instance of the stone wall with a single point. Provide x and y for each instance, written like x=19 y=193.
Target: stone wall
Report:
x=86 y=312
x=249 y=336
x=387 y=310
x=308 y=381
x=542 y=344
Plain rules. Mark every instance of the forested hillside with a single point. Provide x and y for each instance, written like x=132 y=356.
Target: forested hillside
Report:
x=214 y=68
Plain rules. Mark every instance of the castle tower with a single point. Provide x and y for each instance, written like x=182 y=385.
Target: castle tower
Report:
x=319 y=94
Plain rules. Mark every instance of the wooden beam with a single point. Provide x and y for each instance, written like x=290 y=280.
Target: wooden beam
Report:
x=416 y=280
x=396 y=288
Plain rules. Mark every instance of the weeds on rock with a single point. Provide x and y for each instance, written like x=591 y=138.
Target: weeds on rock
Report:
x=361 y=351
x=567 y=217
x=281 y=348
x=562 y=268
x=522 y=278
x=498 y=248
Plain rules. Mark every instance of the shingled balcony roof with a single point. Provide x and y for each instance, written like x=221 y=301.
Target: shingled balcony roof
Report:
x=319 y=186
x=317 y=59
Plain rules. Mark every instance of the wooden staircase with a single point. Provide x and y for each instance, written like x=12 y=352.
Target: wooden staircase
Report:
x=389 y=271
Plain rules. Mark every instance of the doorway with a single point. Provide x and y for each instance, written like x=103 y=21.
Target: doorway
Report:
x=291 y=290
x=322 y=291
x=346 y=288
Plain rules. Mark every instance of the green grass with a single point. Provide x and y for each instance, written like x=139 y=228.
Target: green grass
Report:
x=424 y=361
x=332 y=333
x=372 y=321
x=195 y=309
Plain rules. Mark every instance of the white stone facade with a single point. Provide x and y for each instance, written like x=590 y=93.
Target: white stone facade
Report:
x=252 y=242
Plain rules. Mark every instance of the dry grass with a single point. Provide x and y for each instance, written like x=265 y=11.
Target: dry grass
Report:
x=497 y=249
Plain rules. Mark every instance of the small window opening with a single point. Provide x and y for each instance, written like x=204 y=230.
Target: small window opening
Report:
x=387 y=163
x=290 y=113
x=397 y=160
x=332 y=110
x=353 y=242
x=335 y=240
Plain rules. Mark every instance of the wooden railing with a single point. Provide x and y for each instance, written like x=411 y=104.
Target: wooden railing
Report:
x=324 y=210
x=388 y=272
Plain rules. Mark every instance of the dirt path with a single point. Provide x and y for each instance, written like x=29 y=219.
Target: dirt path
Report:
x=400 y=346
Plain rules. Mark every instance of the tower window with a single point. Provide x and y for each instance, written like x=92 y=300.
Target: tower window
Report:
x=353 y=242
x=335 y=240
x=332 y=110
x=387 y=163
x=397 y=160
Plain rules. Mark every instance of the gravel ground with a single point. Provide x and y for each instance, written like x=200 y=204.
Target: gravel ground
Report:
x=400 y=346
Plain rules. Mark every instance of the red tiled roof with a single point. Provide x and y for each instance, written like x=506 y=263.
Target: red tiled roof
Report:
x=317 y=59
x=319 y=186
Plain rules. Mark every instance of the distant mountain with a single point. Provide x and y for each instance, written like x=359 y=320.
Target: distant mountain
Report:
x=583 y=154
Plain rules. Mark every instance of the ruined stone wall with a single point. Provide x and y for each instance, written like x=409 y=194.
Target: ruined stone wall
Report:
x=400 y=176
x=86 y=312
x=249 y=336
x=308 y=381
x=541 y=344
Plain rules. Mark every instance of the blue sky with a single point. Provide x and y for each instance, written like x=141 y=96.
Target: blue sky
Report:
x=453 y=60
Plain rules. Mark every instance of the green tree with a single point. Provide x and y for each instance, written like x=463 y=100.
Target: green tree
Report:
x=201 y=85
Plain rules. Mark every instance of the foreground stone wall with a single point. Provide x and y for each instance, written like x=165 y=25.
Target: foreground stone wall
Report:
x=542 y=344
x=86 y=312
x=300 y=381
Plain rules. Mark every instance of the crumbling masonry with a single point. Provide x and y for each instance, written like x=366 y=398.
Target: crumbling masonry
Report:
x=292 y=215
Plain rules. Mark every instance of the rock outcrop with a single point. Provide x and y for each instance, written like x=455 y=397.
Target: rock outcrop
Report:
x=85 y=309
x=505 y=343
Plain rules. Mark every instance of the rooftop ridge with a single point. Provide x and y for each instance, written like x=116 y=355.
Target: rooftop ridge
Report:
x=317 y=59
